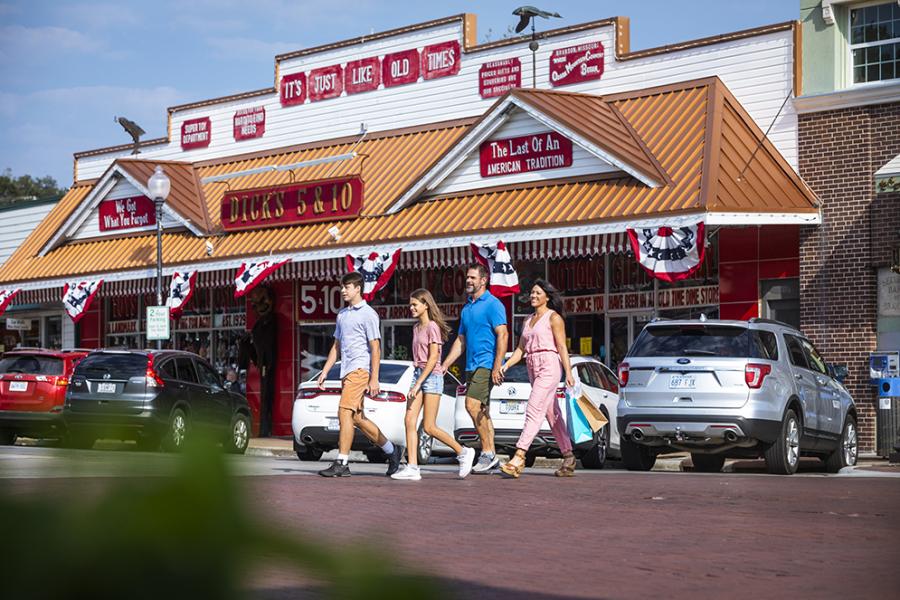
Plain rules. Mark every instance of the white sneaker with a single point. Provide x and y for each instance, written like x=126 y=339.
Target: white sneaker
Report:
x=486 y=463
x=465 y=462
x=408 y=473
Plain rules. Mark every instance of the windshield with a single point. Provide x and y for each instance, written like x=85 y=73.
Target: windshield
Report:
x=692 y=340
x=31 y=365
x=118 y=366
x=388 y=373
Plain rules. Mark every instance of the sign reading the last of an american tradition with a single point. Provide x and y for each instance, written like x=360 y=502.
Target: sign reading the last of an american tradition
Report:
x=576 y=64
x=498 y=77
x=526 y=153
x=126 y=213
x=250 y=123
x=195 y=133
x=294 y=203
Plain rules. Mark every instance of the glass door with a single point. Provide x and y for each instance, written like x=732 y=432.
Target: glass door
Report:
x=622 y=329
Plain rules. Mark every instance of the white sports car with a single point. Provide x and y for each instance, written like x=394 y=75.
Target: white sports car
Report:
x=315 y=416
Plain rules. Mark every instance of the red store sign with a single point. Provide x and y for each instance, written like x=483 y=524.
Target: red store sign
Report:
x=362 y=75
x=126 y=213
x=576 y=64
x=327 y=82
x=400 y=68
x=523 y=154
x=293 y=89
x=195 y=133
x=440 y=60
x=250 y=123
x=321 y=301
x=292 y=204
x=498 y=77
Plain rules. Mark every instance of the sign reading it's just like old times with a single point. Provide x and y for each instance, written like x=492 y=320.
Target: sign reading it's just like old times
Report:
x=292 y=204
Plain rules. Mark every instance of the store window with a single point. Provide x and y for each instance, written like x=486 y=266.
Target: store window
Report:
x=781 y=300
x=875 y=42
x=123 y=322
x=627 y=275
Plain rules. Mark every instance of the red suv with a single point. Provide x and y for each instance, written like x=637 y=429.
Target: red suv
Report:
x=33 y=386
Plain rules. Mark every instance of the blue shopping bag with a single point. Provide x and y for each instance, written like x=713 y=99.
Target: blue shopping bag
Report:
x=579 y=428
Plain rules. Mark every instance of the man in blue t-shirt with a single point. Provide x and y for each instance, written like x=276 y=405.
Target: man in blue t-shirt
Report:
x=483 y=336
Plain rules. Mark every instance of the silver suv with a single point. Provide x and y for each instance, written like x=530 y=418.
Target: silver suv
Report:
x=732 y=389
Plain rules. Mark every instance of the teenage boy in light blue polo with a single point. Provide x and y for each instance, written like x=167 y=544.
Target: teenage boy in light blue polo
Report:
x=483 y=335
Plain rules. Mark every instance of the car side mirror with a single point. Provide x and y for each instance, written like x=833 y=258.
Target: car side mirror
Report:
x=839 y=372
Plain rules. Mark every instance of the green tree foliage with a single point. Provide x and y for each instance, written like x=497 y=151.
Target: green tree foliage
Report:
x=25 y=187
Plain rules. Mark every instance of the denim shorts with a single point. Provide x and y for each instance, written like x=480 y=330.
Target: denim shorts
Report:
x=433 y=384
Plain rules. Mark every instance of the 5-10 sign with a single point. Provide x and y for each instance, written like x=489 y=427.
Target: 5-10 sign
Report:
x=319 y=301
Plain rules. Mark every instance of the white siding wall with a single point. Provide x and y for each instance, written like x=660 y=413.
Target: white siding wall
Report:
x=16 y=224
x=758 y=70
x=467 y=176
x=123 y=189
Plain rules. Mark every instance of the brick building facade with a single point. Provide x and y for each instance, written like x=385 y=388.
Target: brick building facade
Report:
x=840 y=150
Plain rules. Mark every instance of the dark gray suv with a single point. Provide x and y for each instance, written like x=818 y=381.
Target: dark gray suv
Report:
x=733 y=389
x=154 y=397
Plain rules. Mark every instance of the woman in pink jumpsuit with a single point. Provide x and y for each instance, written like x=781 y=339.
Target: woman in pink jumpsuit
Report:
x=543 y=343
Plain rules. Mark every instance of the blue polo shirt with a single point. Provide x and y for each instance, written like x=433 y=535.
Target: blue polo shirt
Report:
x=477 y=322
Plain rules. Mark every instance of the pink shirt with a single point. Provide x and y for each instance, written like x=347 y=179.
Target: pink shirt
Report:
x=422 y=339
x=540 y=337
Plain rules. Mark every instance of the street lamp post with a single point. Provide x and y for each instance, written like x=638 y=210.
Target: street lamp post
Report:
x=159 y=186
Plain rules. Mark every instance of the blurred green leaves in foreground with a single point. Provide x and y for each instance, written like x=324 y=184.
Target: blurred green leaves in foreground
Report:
x=184 y=536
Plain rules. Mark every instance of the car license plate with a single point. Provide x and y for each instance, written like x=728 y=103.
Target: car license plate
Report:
x=18 y=386
x=512 y=407
x=682 y=382
x=333 y=424
x=106 y=388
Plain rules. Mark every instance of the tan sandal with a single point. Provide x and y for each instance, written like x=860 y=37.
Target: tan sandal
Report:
x=567 y=469
x=512 y=471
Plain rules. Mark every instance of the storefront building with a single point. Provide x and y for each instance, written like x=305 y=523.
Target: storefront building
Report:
x=456 y=147
x=849 y=132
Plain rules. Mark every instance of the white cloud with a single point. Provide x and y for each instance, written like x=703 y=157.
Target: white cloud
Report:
x=17 y=41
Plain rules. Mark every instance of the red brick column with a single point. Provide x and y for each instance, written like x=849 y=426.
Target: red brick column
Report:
x=839 y=153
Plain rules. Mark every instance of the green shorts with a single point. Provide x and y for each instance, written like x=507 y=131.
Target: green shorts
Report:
x=479 y=385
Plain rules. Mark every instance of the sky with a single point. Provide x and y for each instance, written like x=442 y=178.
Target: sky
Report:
x=68 y=68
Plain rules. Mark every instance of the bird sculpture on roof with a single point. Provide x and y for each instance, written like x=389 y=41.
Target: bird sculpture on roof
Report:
x=526 y=13
x=132 y=129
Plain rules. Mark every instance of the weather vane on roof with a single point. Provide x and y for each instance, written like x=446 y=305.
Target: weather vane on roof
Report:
x=527 y=14
x=133 y=129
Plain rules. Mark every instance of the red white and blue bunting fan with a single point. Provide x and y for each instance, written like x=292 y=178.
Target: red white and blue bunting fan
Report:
x=77 y=297
x=6 y=296
x=249 y=275
x=376 y=269
x=495 y=257
x=181 y=289
x=669 y=253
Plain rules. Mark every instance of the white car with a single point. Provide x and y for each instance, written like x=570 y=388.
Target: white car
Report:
x=508 y=402
x=315 y=417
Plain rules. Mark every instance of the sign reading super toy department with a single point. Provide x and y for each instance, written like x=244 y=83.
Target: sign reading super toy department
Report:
x=526 y=153
x=195 y=133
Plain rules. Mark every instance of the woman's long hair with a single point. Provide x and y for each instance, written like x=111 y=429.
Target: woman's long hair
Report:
x=554 y=298
x=425 y=297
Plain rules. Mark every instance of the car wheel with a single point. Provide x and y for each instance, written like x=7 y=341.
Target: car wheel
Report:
x=425 y=446
x=307 y=453
x=708 y=463
x=376 y=456
x=845 y=454
x=239 y=436
x=636 y=457
x=595 y=457
x=783 y=456
x=79 y=441
x=7 y=438
x=177 y=432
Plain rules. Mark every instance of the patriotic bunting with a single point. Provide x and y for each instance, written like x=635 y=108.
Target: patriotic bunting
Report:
x=669 y=253
x=77 y=297
x=180 y=291
x=495 y=257
x=376 y=269
x=251 y=274
x=6 y=296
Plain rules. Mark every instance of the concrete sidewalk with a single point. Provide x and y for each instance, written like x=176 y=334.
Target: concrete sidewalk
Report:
x=284 y=447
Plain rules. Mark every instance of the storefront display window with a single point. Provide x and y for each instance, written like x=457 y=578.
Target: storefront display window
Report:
x=627 y=275
x=123 y=320
x=528 y=271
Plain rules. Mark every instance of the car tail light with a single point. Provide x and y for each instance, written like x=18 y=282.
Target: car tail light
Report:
x=389 y=397
x=153 y=380
x=623 y=374
x=308 y=393
x=62 y=381
x=755 y=373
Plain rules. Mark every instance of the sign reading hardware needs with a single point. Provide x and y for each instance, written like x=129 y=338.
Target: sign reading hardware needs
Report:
x=526 y=153
x=249 y=123
x=292 y=204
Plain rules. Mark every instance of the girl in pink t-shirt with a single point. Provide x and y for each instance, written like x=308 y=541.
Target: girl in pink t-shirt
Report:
x=429 y=335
